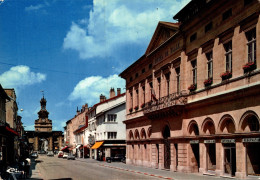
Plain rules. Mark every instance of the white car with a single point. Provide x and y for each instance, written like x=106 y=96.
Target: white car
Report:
x=65 y=156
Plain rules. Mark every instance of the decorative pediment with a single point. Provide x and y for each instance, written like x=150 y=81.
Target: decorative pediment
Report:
x=163 y=32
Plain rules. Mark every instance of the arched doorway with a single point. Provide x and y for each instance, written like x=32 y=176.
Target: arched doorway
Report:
x=167 y=147
x=227 y=126
x=193 y=130
x=208 y=128
x=250 y=124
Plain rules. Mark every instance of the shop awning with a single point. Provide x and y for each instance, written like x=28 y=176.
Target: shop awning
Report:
x=12 y=131
x=78 y=146
x=97 y=145
x=65 y=148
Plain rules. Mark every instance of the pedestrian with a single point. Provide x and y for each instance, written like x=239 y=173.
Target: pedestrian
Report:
x=27 y=167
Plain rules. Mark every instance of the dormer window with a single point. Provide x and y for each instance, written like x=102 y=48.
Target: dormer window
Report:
x=193 y=37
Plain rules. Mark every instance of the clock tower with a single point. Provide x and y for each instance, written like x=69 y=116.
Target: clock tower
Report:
x=43 y=124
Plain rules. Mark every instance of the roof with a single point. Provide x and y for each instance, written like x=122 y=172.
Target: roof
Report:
x=3 y=93
x=107 y=100
x=191 y=9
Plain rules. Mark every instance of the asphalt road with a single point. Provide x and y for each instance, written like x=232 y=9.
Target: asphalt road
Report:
x=63 y=169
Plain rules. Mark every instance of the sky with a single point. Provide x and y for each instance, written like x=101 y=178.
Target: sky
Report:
x=73 y=50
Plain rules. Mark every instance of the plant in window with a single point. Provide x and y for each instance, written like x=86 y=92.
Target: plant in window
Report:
x=130 y=110
x=208 y=82
x=226 y=75
x=143 y=105
x=250 y=66
x=136 y=107
x=192 y=87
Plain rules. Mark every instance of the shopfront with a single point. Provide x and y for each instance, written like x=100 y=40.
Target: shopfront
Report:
x=211 y=154
x=252 y=156
x=229 y=148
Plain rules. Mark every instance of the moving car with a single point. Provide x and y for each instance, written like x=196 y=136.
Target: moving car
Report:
x=71 y=157
x=117 y=157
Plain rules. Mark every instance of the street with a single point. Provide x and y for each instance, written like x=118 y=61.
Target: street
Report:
x=58 y=168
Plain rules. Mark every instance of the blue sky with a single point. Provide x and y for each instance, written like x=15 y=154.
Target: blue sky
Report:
x=73 y=50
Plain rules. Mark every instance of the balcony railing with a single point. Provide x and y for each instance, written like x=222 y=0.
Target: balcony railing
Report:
x=166 y=102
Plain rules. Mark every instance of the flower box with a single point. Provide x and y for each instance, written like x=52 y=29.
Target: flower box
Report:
x=143 y=105
x=208 y=82
x=250 y=66
x=130 y=110
x=136 y=108
x=192 y=87
x=226 y=75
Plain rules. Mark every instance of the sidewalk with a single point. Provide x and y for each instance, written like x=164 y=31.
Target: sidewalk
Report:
x=163 y=174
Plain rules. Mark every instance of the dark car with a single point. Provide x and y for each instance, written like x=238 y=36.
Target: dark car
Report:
x=117 y=157
x=34 y=155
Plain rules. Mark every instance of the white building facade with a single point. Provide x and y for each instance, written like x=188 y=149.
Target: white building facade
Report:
x=107 y=126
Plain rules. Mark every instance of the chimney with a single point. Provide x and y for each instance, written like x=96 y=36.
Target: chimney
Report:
x=118 y=91
x=112 y=93
x=102 y=98
x=78 y=110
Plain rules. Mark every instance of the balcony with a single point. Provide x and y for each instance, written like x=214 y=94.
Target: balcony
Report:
x=166 y=106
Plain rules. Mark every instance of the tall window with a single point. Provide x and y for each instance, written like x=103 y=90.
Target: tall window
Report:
x=131 y=100
x=194 y=71
x=159 y=86
x=111 y=117
x=178 y=79
x=151 y=89
x=137 y=97
x=228 y=54
x=111 y=135
x=167 y=77
x=210 y=65
x=143 y=88
x=251 y=45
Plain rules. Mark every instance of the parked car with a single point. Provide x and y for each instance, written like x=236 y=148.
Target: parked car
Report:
x=65 y=156
x=60 y=155
x=34 y=155
x=42 y=152
x=50 y=153
x=71 y=157
x=117 y=157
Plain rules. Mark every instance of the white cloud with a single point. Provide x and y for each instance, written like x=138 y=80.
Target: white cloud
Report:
x=89 y=89
x=119 y=22
x=19 y=76
x=34 y=8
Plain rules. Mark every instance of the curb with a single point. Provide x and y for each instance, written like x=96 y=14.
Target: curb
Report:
x=137 y=172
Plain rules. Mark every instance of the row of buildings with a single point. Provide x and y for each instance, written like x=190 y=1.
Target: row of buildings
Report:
x=192 y=101
x=13 y=144
x=193 y=98
x=98 y=131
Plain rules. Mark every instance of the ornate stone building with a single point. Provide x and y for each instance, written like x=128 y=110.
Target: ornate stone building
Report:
x=193 y=101
x=43 y=138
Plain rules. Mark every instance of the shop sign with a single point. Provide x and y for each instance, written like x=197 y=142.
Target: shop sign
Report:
x=228 y=141
x=194 y=141
x=247 y=140
x=209 y=141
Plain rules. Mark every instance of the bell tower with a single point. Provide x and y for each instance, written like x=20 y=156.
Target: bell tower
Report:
x=43 y=124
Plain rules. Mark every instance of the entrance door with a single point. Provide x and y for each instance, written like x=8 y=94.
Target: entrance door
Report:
x=230 y=160
x=167 y=154
x=253 y=159
x=211 y=156
x=196 y=153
